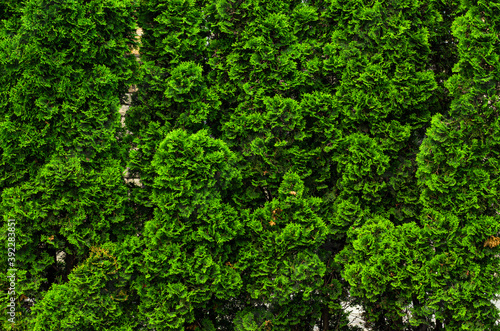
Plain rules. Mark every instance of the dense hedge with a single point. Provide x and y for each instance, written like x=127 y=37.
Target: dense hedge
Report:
x=64 y=72
x=459 y=172
x=293 y=155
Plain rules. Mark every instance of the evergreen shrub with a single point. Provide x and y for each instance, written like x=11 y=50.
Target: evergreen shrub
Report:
x=64 y=72
x=294 y=157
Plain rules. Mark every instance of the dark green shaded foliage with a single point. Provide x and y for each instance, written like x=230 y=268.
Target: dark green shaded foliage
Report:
x=63 y=75
x=10 y=9
x=266 y=64
x=96 y=297
x=268 y=67
x=10 y=22
x=444 y=53
x=387 y=271
x=280 y=259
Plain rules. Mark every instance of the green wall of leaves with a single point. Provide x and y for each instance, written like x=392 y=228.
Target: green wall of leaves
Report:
x=292 y=155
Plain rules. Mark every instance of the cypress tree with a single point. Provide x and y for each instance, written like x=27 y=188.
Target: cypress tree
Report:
x=386 y=93
x=459 y=174
x=60 y=136
x=281 y=261
x=10 y=21
x=189 y=246
x=172 y=92
x=275 y=108
x=215 y=89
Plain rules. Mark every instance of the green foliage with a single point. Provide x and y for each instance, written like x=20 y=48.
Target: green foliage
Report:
x=459 y=174
x=292 y=155
x=173 y=90
x=280 y=258
x=384 y=266
x=63 y=74
x=385 y=94
x=188 y=256
x=225 y=86
x=11 y=9
x=94 y=298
